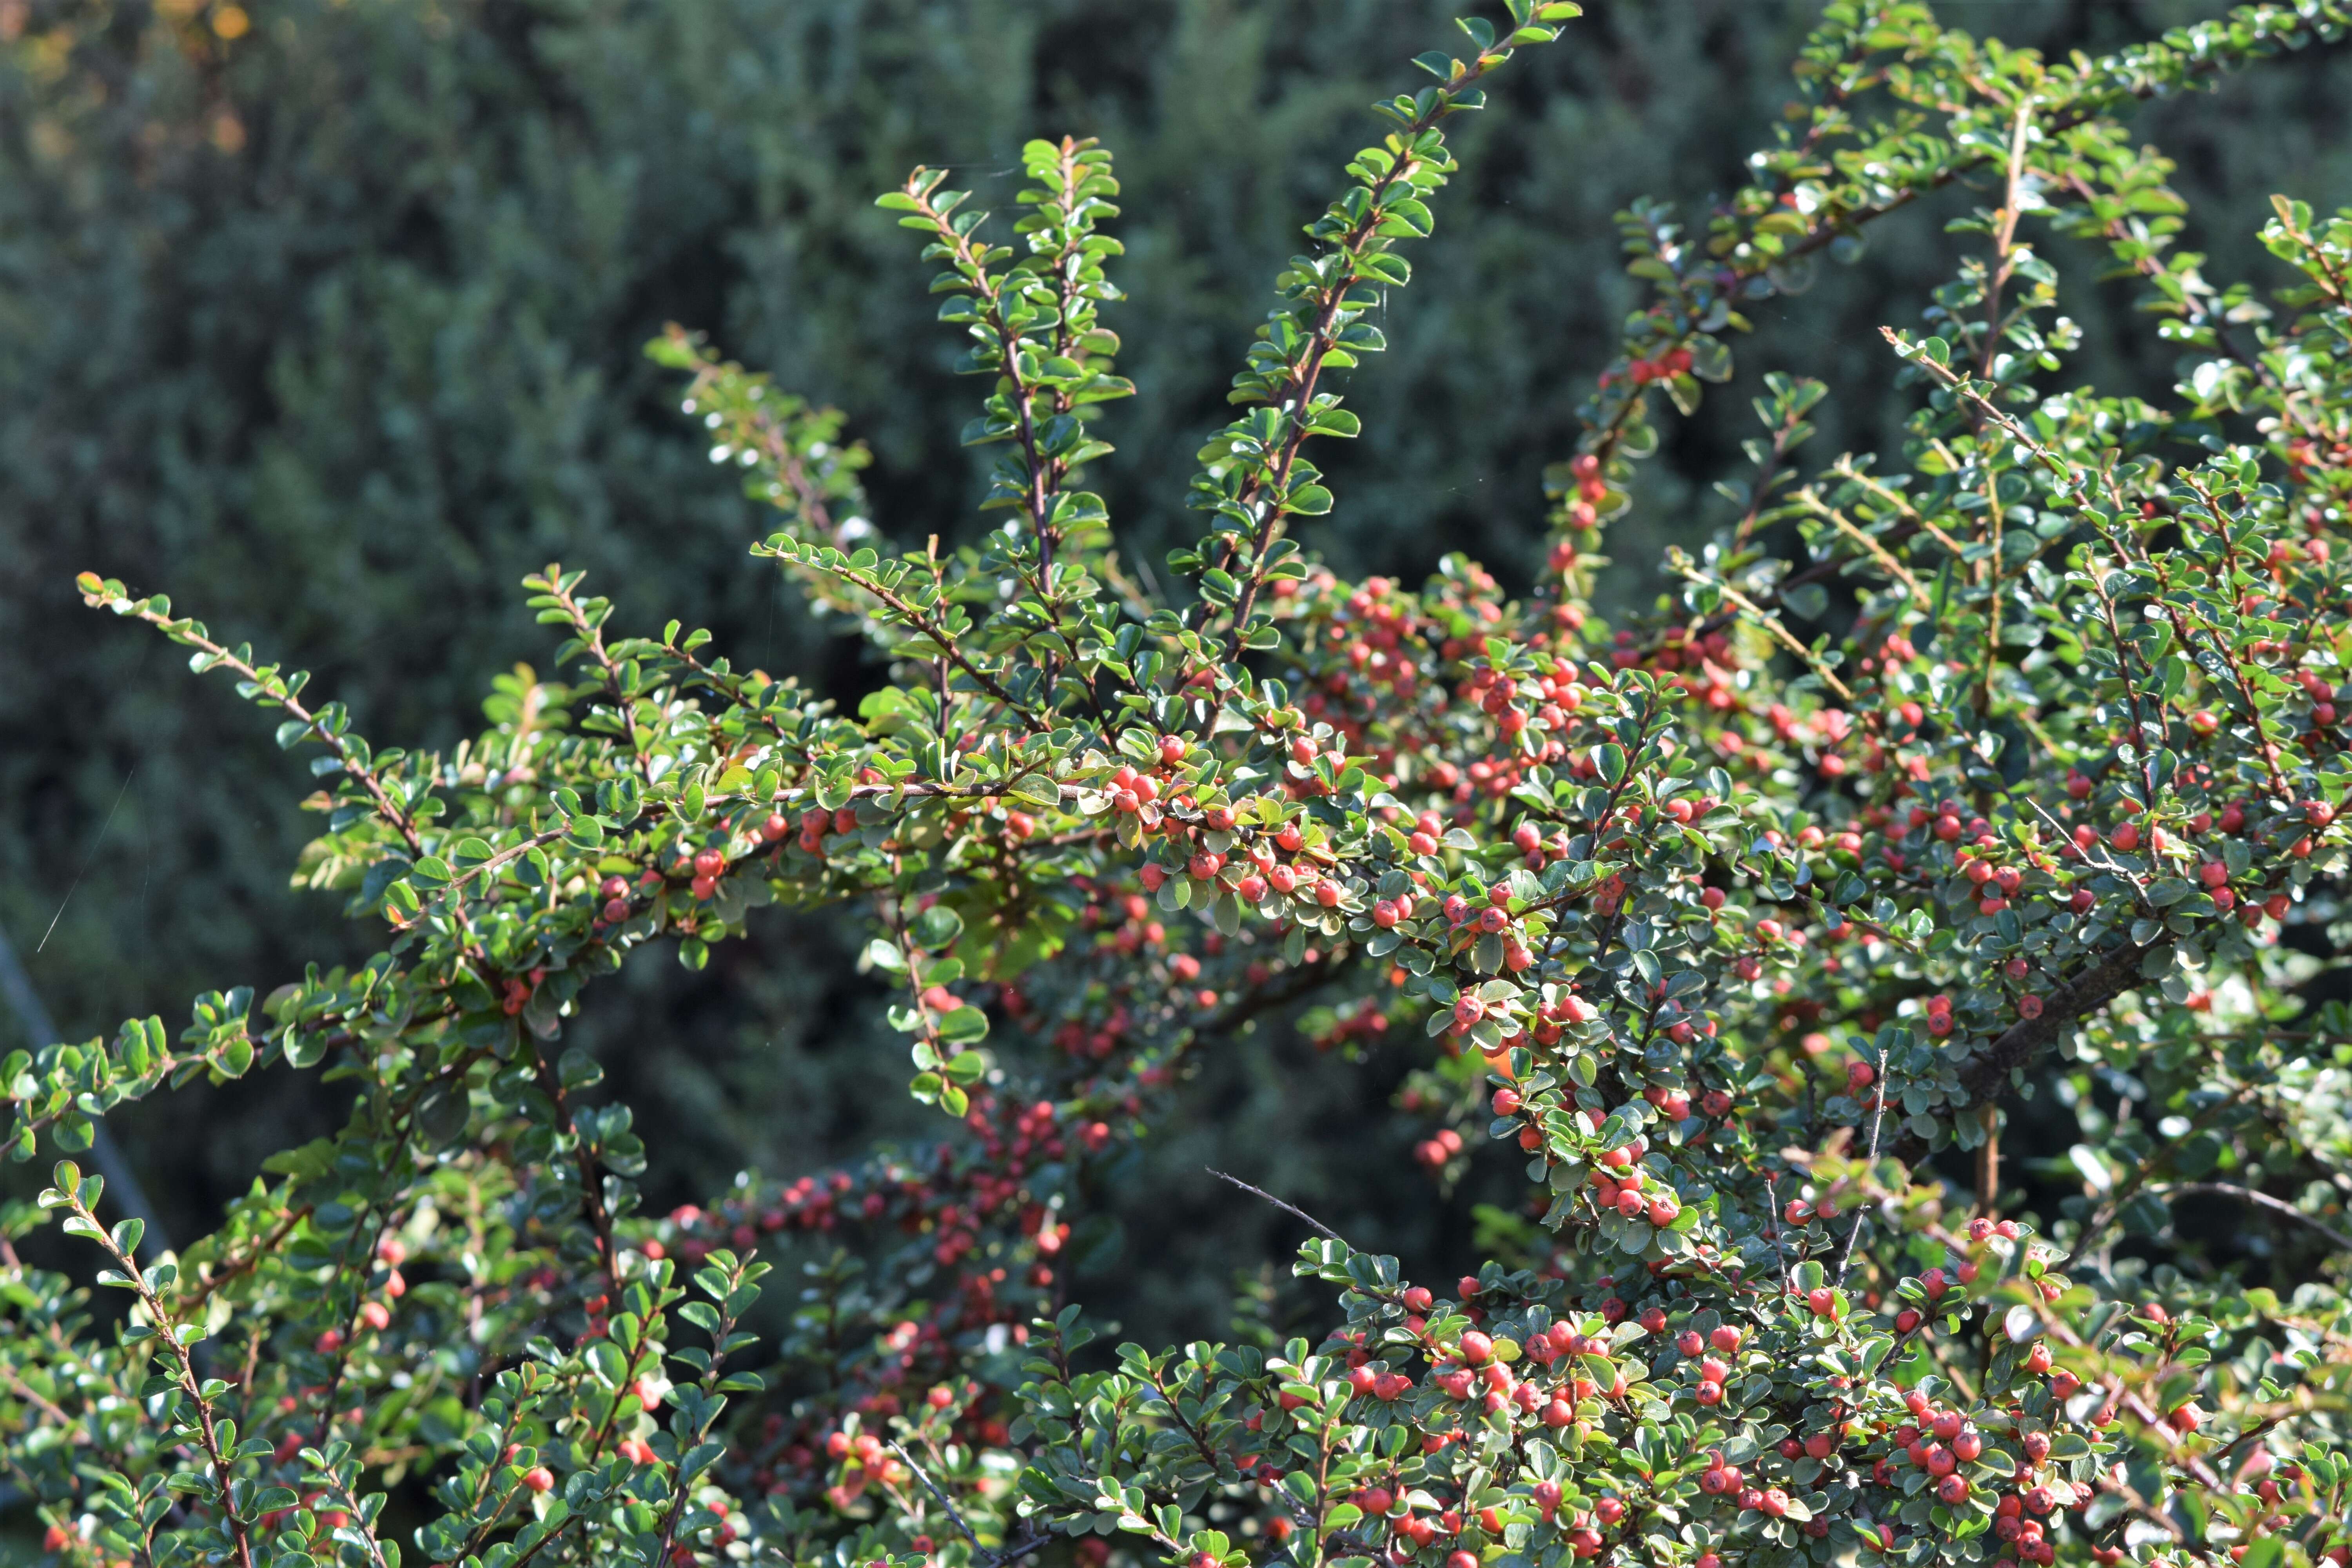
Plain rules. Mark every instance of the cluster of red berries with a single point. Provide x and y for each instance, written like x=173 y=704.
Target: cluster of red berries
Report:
x=817 y=824
x=1722 y=1479
x=1939 y=1441
x=1619 y=1182
x=1663 y=366
x=1378 y=651
x=948 y=1201
x=515 y=995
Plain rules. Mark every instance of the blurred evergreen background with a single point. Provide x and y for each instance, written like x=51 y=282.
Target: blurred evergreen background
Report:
x=324 y=316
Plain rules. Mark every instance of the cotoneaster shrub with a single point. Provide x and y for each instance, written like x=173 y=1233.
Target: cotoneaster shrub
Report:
x=1742 y=929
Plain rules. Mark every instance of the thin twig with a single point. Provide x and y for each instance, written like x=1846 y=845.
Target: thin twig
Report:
x=2260 y=1200
x=1877 y=552
x=1772 y=1216
x=2114 y=1204
x=1011 y=1553
x=1846 y=468
x=1989 y=1160
x=2005 y=236
x=2216 y=1459
x=176 y=1354
x=945 y=1501
x=1772 y=624
x=1290 y=1208
x=1877 y=1115
x=188 y=634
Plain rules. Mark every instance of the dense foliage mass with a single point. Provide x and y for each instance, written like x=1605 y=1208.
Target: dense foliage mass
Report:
x=331 y=329
x=1733 y=925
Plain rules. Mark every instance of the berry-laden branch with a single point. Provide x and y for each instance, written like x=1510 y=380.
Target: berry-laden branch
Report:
x=1696 y=941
